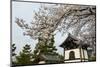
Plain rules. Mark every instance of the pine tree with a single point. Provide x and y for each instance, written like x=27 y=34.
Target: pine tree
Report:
x=13 y=54
x=13 y=50
x=51 y=49
x=44 y=47
x=25 y=56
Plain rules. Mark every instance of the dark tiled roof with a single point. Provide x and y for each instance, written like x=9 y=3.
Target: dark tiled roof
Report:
x=73 y=42
x=70 y=38
x=50 y=57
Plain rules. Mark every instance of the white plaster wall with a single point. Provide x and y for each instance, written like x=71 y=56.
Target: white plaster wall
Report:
x=86 y=55
x=82 y=53
x=41 y=62
x=77 y=53
x=73 y=61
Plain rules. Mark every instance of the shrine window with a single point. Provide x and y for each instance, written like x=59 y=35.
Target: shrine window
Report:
x=72 y=55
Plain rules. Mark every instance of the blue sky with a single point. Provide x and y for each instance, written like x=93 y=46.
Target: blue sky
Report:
x=25 y=10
